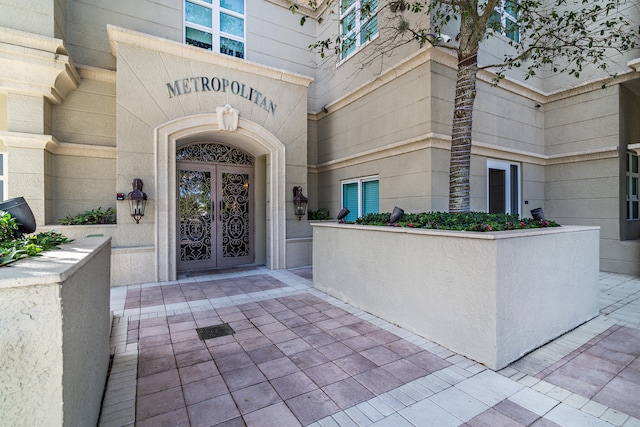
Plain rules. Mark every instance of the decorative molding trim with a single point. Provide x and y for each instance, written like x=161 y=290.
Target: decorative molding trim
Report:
x=25 y=140
x=50 y=144
x=32 y=41
x=447 y=58
x=583 y=156
x=35 y=65
x=98 y=74
x=412 y=62
x=421 y=142
x=635 y=64
x=443 y=142
x=304 y=9
x=121 y=35
x=82 y=150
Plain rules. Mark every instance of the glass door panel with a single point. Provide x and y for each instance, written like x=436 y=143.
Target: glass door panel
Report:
x=206 y=238
x=236 y=216
x=497 y=191
x=194 y=217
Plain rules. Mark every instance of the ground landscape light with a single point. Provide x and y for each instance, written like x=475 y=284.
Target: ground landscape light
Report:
x=343 y=213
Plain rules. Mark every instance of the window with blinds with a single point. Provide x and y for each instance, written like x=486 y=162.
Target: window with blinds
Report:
x=361 y=196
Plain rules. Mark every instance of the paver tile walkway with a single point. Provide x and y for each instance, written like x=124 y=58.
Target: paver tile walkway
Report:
x=296 y=356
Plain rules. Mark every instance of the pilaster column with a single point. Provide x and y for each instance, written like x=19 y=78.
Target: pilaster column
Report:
x=28 y=170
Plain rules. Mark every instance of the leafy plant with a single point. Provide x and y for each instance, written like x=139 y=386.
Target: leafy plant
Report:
x=464 y=221
x=94 y=216
x=12 y=250
x=321 y=214
x=8 y=226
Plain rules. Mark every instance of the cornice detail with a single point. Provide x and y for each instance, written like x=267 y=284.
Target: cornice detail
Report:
x=443 y=142
x=97 y=74
x=35 y=65
x=304 y=9
x=447 y=58
x=50 y=144
x=119 y=35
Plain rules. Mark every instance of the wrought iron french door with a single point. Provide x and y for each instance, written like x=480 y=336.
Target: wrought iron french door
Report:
x=215 y=215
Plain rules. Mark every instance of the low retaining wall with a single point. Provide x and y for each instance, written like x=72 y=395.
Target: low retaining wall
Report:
x=491 y=297
x=54 y=336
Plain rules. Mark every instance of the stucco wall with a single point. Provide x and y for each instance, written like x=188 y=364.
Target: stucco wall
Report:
x=489 y=296
x=88 y=114
x=273 y=36
x=80 y=184
x=33 y=17
x=55 y=327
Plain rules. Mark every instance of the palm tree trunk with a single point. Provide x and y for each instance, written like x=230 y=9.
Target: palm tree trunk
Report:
x=460 y=164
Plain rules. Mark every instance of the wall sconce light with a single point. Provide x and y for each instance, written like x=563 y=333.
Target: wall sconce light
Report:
x=299 y=202
x=137 y=200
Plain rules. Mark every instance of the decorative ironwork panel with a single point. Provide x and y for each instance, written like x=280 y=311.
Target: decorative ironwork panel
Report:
x=214 y=153
x=195 y=215
x=235 y=215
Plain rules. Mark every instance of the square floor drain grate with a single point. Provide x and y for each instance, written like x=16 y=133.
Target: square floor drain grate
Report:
x=215 y=331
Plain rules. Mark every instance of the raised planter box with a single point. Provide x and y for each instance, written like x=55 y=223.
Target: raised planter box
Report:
x=491 y=297
x=54 y=334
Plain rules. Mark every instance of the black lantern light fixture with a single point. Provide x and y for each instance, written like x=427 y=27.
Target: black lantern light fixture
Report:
x=299 y=202
x=137 y=200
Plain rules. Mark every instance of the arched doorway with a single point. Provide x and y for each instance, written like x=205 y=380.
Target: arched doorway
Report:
x=248 y=137
x=215 y=206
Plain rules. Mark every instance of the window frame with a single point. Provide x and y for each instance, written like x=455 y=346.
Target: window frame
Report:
x=508 y=21
x=360 y=182
x=3 y=176
x=629 y=177
x=216 y=32
x=356 y=31
x=507 y=167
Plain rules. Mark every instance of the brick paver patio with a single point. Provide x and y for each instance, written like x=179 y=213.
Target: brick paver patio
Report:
x=300 y=357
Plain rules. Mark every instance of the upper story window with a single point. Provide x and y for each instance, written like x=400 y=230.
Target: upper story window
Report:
x=361 y=196
x=217 y=25
x=505 y=19
x=633 y=175
x=358 y=24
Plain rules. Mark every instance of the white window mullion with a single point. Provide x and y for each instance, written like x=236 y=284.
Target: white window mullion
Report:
x=215 y=10
x=3 y=176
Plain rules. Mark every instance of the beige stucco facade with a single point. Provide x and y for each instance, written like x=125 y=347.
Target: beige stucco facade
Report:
x=93 y=95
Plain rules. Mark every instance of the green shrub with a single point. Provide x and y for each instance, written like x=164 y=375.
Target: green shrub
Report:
x=94 y=216
x=8 y=226
x=321 y=214
x=468 y=221
x=12 y=250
